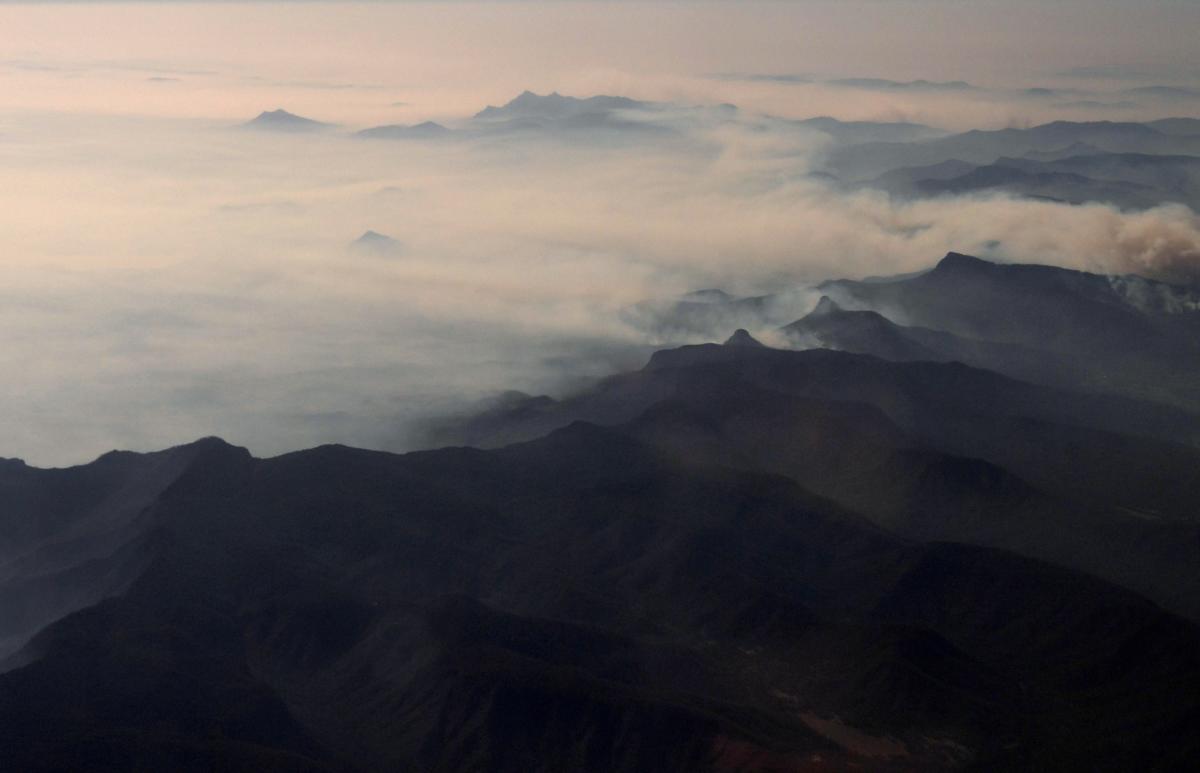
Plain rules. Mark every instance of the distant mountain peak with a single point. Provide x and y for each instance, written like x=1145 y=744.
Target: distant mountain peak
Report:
x=824 y=307
x=741 y=337
x=375 y=243
x=370 y=237
x=555 y=105
x=281 y=120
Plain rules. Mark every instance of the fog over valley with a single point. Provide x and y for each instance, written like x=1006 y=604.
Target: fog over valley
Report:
x=191 y=267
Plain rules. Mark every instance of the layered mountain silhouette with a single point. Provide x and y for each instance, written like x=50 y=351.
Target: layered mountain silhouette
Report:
x=856 y=132
x=581 y=602
x=1127 y=180
x=1126 y=164
x=1115 y=334
x=1119 y=334
x=555 y=113
x=867 y=161
x=885 y=550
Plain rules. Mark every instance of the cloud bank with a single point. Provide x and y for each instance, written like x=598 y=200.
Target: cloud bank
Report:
x=168 y=276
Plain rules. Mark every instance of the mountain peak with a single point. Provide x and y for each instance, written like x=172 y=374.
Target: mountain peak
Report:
x=741 y=337
x=825 y=306
x=554 y=105
x=955 y=261
x=375 y=243
x=281 y=120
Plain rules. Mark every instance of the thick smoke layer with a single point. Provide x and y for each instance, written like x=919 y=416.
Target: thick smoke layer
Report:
x=169 y=275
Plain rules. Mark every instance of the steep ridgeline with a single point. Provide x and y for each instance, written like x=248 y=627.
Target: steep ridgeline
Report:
x=586 y=602
x=1121 y=334
x=1101 y=484
x=70 y=537
x=1126 y=180
x=968 y=540
x=1060 y=139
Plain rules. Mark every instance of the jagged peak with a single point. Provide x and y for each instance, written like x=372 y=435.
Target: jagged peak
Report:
x=742 y=337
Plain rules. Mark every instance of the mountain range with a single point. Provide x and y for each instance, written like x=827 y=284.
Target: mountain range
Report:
x=867 y=161
x=911 y=542
x=1123 y=335
x=1127 y=180
x=1129 y=165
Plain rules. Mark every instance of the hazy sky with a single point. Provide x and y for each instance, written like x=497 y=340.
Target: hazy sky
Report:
x=448 y=58
x=168 y=276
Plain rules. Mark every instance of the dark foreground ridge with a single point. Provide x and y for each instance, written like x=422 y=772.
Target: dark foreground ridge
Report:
x=737 y=558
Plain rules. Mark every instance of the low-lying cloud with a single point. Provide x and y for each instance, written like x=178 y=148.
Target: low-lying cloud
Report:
x=167 y=280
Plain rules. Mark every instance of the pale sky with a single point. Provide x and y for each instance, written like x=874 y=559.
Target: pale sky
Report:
x=353 y=60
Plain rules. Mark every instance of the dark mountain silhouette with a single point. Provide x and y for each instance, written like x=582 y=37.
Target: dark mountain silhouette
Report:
x=1118 y=334
x=884 y=551
x=741 y=337
x=1046 y=185
x=555 y=105
x=870 y=160
x=581 y=602
x=1174 y=178
x=1068 y=452
x=556 y=114
x=829 y=326
x=1127 y=180
x=70 y=537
